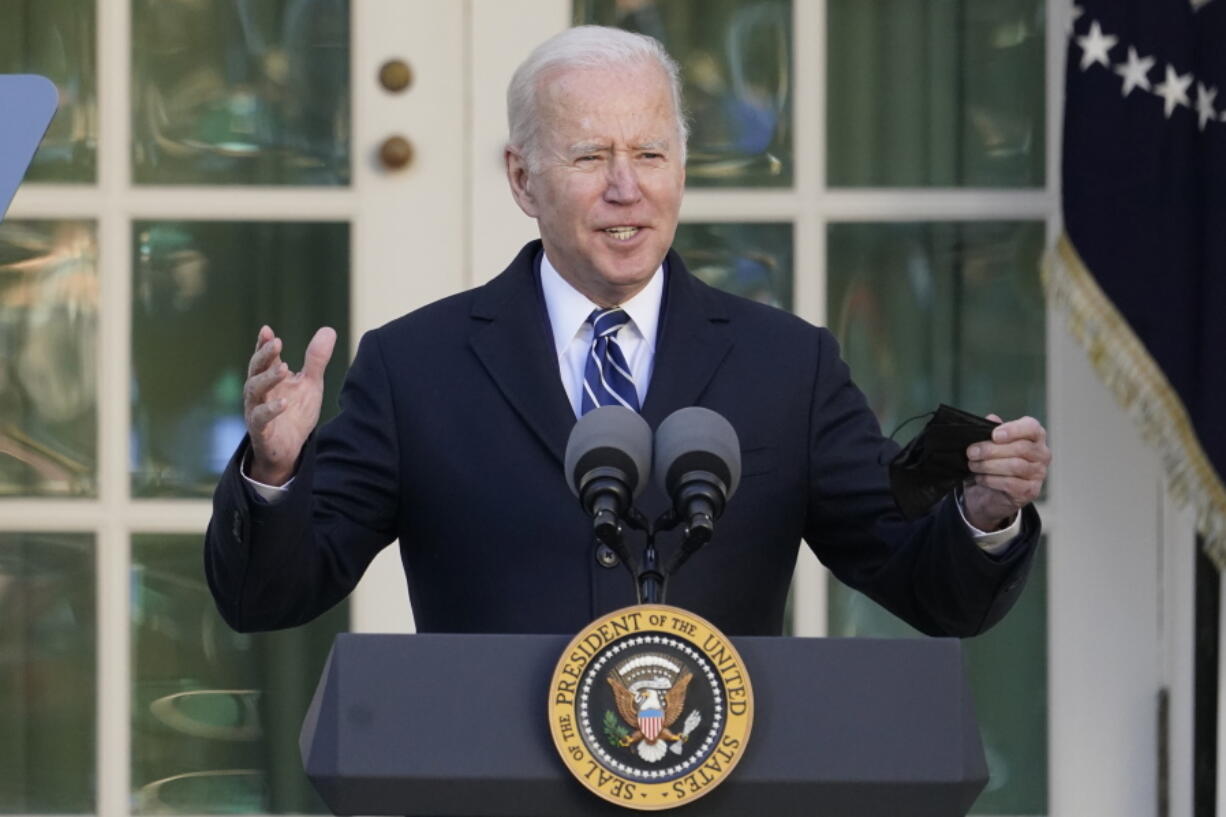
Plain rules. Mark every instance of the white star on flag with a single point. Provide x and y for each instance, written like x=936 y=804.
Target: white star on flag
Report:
x=1174 y=90
x=1204 y=104
x=1135 y=73
x=1094 y=47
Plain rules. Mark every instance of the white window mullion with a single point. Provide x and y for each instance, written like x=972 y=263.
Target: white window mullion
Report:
x=810 y=579
x=944 y=204
x=113 y=356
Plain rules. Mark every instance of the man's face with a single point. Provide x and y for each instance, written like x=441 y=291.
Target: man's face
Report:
x=607 y=188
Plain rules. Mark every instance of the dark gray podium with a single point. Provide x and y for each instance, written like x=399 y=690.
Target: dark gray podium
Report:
x=456 y=725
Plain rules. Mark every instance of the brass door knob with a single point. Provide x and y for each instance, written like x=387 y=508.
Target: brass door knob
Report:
x=395 y=153
x=395 y=75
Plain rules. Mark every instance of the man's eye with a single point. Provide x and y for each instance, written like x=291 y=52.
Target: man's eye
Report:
x=653 y=155
x=591 y=158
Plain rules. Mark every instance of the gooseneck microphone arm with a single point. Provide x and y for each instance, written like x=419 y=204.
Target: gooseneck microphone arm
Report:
x=703 y=497
x=697 y=463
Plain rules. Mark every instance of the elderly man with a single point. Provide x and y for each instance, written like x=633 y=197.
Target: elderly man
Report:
x=455 y=417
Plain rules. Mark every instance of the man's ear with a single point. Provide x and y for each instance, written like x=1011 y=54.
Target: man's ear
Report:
x=519 y=179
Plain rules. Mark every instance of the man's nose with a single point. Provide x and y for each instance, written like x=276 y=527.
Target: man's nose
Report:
x=623 y=182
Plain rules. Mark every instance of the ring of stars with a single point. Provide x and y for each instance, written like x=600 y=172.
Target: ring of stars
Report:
x=1096 y=46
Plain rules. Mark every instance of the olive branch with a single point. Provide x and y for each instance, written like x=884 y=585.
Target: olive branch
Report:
x=614 y=730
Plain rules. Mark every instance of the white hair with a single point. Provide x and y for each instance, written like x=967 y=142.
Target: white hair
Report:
x=583 y=47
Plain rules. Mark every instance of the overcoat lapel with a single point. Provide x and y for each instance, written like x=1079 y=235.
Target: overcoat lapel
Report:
x=513 y=342
x=694 y=339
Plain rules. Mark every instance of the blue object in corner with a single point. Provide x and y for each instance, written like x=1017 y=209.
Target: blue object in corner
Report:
x=27 y=103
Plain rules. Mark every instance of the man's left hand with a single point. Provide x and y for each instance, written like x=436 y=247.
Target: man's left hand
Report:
x=1009 y=472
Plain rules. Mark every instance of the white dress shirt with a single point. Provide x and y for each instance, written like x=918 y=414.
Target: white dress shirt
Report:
x=572 y=338
x=569 y=310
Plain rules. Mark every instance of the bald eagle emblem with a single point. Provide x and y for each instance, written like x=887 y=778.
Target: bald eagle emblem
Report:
x=649 y=690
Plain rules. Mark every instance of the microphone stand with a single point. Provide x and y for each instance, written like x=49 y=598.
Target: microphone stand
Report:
x=650 y=582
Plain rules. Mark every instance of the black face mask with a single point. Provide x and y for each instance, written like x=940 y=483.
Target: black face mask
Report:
x=934 y=463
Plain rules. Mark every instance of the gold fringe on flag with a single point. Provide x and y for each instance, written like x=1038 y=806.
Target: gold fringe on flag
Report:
x=1141 y=389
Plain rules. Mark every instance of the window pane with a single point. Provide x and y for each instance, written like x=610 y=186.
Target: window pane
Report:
x=736 y=64
x=750 y=260
x=47 y=673
x=201 y=291
x=935 y=93
x=930 y=313
x=48 y=381
x=215 y=714
x=1007 y=669
x=233 y=92
x=940 y=313
x=56 y=38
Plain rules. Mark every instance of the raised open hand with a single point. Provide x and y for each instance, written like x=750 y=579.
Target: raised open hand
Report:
x=281 y=407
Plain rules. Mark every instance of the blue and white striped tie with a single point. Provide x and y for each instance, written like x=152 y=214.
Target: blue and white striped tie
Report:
x=606 y=377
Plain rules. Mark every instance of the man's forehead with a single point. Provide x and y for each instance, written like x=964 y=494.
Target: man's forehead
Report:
x=589 y=107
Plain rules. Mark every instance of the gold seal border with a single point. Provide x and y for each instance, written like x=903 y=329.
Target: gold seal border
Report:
x=563 y=707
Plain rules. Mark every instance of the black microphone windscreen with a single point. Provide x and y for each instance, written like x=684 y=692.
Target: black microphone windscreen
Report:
x=612 y=436
x=697 y=439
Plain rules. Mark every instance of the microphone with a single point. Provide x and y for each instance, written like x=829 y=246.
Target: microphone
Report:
x=698 y=465
x=608 y=458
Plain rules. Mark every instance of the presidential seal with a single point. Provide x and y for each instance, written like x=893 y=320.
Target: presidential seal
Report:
x=650 y=707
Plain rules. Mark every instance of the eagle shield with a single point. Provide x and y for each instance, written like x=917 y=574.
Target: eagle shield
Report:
x=650 y=693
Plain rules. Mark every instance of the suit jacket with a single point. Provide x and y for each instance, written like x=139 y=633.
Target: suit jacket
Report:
x=451 y=435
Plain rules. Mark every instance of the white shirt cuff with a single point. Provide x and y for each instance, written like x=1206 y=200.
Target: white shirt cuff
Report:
x=996 y=542
x=268 y=493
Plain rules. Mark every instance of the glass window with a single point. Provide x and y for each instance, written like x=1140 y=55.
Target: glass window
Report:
x=750 y=260
x=929 y=313
x=215 y=713
x=937 y=93
x=200 y=292
x=940 y=313
x=47 y=673
x=56 y=38
x=233 y=92
x=736 y=64
x=1007 y=669
x=48 y=377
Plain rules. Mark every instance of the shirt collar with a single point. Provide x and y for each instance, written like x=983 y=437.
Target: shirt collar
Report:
x=569 y=308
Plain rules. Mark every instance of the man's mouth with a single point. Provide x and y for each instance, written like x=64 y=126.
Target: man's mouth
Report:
x=622 y=233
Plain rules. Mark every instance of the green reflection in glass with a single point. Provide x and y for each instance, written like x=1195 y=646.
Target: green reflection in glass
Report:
x=56 y=38
x=940 y=313
x=235 y=92
x=1007 y=669
x=215 y=713
x=736 y=64
x=200 y=292
x=935 y=93
x=746 y=259
x=48 y=379
x=47 y=673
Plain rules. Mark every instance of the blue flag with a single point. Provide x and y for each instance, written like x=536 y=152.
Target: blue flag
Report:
x=1141 y=267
